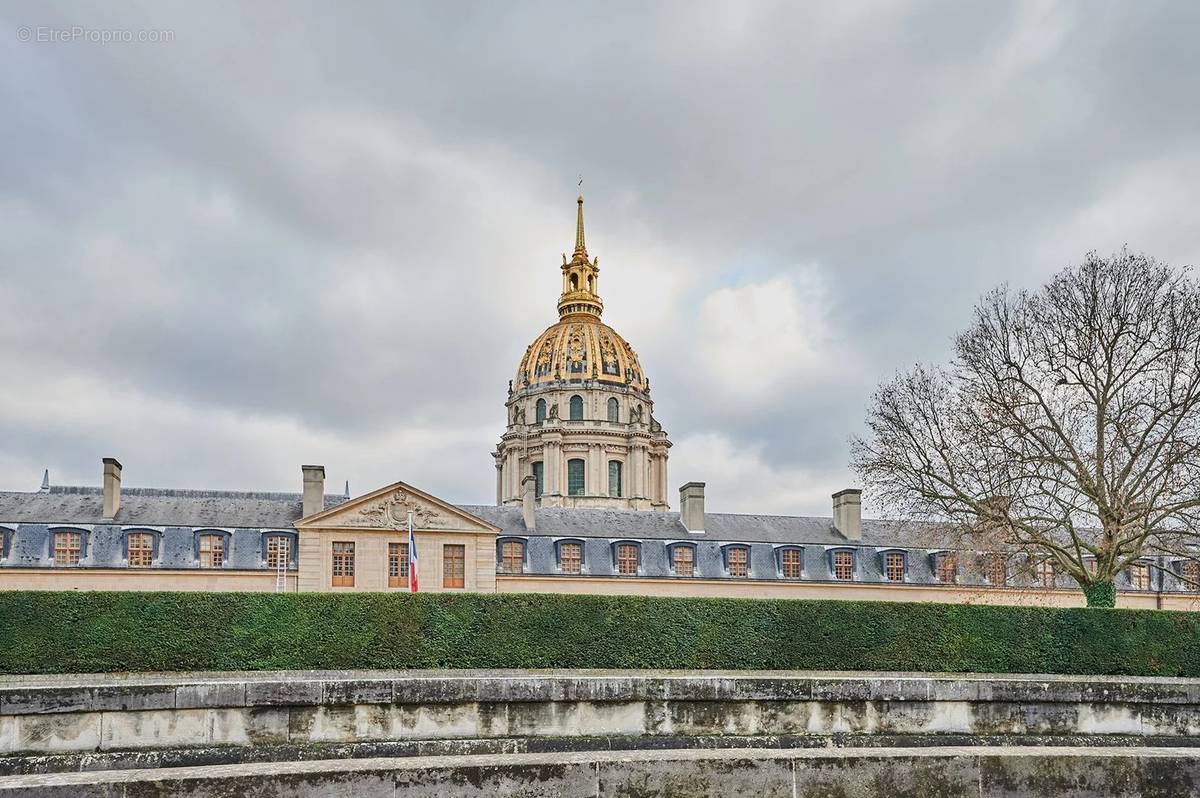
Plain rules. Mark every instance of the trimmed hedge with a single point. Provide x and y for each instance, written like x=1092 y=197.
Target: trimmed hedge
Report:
x=81 y=632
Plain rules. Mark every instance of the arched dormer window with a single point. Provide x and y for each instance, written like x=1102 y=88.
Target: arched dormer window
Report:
x=945 y=567
x=627 y=557
x=569 y=555
x=614 y=410
x=790 y=561
x=576 y=411
x=539 y=412
x=842 y=564
x=211 y=548
x=68 y=546
x=510 y=555
x=6 y=536
x=894 y=565
x=682 y=557
x=141 y=547
x=737 y=559
x=279 y=548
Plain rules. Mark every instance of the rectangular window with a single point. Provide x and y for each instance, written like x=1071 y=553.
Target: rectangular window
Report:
x=738 y=561
x=212 y=551
x=1139 y=576
x=67 y=548
x=614 y=478
x=512 y=557
x=947 y=568
x=397 y=565
x=683 y=559
x=279 y=551
x=454 y=565
x=627 y=559
x=1045 y=573
x=1191 y=575
x=843 y=565
x=790 y=564
x=140 y=549
x=575 y=477
x=997 y=569
x=539 y=479
x=343 y=564
x=893 y=566
x=570 y=558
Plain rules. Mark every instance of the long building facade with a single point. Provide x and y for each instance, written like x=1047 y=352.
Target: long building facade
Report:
x=582 y=506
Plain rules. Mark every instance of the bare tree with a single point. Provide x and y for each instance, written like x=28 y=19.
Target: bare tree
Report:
x=1065 y=427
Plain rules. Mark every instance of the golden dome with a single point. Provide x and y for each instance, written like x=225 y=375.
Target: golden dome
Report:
x=580 y=348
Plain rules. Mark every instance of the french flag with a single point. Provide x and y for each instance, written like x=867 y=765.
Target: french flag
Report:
x=412 y=557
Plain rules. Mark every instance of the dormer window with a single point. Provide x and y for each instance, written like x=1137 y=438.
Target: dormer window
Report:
x=627 y=558
x=512 y=556
x=683 y=559
x=211 y=550
x=570 y=556
x=1139 y=576
x=68 y=547
x=841 y=564
x=791 y=562
x=946 y=567
x=894 y=566
x=139 y=549
x=737 y=561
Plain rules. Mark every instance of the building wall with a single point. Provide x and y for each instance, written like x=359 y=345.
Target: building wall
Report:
x=208 y=579
x=370 y=559
x=727 y=588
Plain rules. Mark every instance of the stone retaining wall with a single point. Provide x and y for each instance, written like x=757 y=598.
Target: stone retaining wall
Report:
x=40 y=715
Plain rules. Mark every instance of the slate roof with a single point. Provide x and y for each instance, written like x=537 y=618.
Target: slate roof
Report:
x=156 y=507
x=776 y=529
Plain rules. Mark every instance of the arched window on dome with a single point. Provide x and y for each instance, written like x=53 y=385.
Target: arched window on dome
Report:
x=575 y=483
x=540 y=411
x=576 y=408
x=614 y=412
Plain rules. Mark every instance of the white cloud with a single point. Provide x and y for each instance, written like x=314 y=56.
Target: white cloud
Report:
x=754 y=339
x=740 y=480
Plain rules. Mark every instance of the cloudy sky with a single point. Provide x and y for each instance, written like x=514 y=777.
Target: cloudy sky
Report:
x=299 y=233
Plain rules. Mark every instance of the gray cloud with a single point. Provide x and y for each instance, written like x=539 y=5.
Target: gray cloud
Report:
x=299 y=233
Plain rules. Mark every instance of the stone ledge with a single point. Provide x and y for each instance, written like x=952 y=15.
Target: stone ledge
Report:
x=91 y=693
x=950 y=772
x=232 y=755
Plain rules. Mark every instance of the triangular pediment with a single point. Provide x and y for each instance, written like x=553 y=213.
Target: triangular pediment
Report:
x=388 y=508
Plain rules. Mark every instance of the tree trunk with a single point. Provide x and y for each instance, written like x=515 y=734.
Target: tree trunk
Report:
x=1101 y=594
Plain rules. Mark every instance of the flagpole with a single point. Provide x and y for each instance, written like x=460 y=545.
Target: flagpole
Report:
x=413 y=582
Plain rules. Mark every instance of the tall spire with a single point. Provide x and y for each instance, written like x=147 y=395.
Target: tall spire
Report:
x=580 y=247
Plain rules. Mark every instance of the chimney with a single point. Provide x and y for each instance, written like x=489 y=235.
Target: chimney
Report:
x=112 y=487
x=847 y=513
x=314 y=490
x=691 y=506
x=529 y=501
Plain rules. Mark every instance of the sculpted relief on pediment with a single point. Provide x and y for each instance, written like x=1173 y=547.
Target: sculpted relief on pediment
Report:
x=391 y=512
